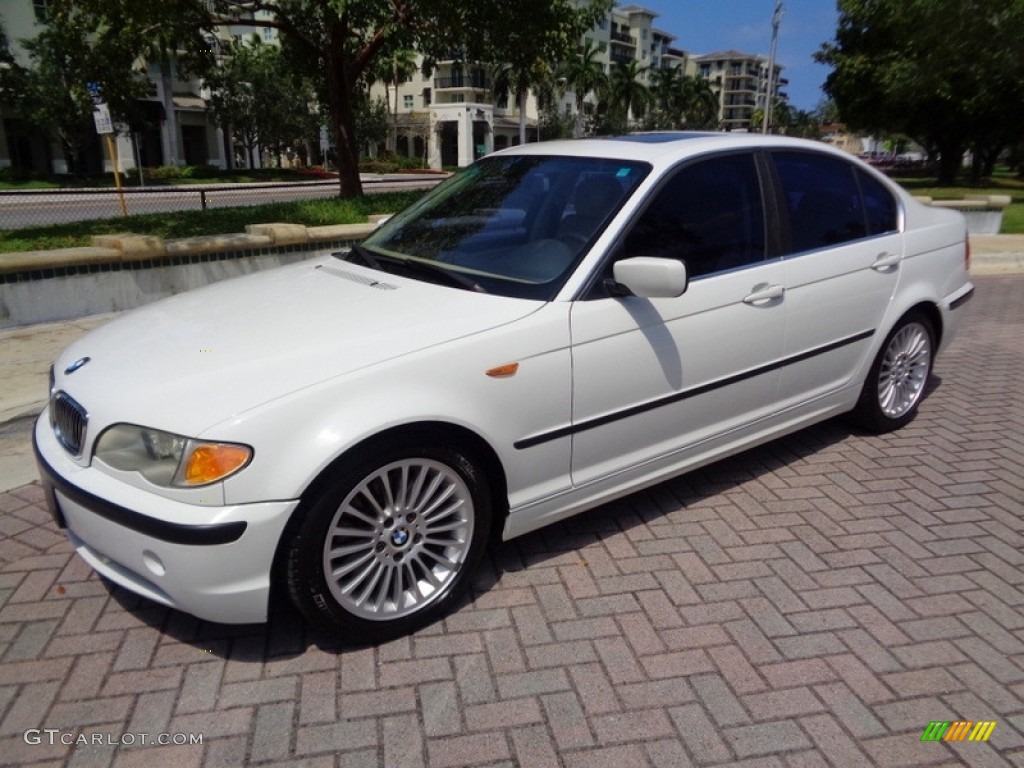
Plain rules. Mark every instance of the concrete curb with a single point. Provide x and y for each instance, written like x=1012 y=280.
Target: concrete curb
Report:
x=129 y=247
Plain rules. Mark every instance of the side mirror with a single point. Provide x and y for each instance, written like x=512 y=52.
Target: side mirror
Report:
x=651 y=277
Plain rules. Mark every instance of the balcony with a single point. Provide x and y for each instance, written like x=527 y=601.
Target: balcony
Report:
x=623 y=39
x=477 y=82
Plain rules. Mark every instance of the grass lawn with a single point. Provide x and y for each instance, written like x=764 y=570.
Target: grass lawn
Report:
x=1004 y=182
x=209 y=222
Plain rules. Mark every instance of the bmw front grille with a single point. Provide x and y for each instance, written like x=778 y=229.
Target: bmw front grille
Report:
x=68 y=420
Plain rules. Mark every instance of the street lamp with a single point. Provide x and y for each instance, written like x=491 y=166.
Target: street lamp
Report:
x=769 y=93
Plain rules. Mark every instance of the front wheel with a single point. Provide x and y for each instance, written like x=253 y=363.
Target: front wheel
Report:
x=898 y=377
x=390 y=543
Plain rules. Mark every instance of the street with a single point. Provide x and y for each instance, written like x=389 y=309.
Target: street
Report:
x=818 y=601
x=30 y=209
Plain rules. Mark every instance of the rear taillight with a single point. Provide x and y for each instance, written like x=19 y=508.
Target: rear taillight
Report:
x=967 y=254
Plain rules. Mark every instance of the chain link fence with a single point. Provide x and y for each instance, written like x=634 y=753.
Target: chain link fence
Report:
x=32 y=208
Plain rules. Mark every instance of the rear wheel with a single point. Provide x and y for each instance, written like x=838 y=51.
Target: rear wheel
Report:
x=390 y=543
x=899 y=375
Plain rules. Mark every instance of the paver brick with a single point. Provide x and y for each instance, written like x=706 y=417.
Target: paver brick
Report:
x=812 y=602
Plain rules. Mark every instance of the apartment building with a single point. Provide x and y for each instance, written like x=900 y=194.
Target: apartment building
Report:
x=189 y=137
x=451 y=117
x=447 y=118
x=742 y=82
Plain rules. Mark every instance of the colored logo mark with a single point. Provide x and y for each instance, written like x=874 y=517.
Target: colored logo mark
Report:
x=958 y=730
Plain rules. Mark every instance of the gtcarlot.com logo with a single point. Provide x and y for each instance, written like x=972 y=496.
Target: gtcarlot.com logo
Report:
x=958 y=730
x=67 y=738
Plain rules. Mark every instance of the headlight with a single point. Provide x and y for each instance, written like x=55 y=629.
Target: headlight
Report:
x=167 y=459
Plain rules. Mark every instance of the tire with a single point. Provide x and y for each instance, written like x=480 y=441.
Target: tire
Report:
x=390 y=542
x=898 y=378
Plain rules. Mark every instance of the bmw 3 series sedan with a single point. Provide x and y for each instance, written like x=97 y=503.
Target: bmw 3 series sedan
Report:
x=555 y=326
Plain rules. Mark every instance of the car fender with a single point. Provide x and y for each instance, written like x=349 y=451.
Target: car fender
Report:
x=528 y=390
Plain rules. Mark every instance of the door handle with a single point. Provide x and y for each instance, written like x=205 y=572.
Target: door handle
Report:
x=886 y=261
x=764 y=292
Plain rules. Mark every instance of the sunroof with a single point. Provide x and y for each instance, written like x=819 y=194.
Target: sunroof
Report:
x=660 y=138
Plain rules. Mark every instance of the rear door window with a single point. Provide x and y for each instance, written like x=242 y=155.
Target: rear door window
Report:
x=821 y=200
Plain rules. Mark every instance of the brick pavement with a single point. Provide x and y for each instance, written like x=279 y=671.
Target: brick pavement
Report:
x=814 y=602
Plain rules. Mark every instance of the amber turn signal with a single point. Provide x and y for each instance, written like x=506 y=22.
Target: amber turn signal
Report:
x=209 y=462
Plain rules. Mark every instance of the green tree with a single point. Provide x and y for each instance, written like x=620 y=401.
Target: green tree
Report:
x=583 y=74
x=11 y=86
x=258 y=98
x=73 y=53
x=625 y=96
x=700 y=104
x=339 y=42
x=393 y=69
x=947 y=73
x=668 y=99
x=525 y=48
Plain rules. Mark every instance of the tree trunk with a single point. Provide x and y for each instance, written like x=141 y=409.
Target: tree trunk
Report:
x=392 y=140
x=577 y=131
x=343 y=120
x=521 y=98
x=950 y=155
x=394 y=113
x=167 y=86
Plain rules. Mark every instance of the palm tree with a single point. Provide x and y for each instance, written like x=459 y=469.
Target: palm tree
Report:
x=701 y=104
x=668 y=97
x=583 y=74
x=393 y=70
x=625 y=96
x=509 y=79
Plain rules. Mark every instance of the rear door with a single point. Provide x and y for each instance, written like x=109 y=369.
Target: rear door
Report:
x=841 y=268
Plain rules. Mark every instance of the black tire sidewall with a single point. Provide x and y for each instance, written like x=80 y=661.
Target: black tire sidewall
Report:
x=868 y=411
x=305 y=577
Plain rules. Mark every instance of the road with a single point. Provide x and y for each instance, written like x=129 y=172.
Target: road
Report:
x=817 y=601
x=38 y=208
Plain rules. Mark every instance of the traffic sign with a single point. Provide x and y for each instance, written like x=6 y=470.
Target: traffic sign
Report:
x=101 y=116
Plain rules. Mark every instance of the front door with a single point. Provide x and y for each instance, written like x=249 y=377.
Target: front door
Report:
x=657 y=379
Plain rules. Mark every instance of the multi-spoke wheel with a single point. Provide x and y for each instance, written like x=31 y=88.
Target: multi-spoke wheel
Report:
x=388 y=545
x=899 y=375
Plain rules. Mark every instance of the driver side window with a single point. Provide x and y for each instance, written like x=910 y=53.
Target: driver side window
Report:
x=709 y=215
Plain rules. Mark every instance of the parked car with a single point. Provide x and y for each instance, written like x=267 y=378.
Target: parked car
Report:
x=553 y=327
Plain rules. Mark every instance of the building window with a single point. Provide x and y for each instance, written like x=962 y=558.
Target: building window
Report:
x=268 y=34
x=407 y=101
x=42 y=10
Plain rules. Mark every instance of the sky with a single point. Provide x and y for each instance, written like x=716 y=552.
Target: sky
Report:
x=706 y=26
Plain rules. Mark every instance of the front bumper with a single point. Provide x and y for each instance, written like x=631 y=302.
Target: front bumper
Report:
x=211 y=562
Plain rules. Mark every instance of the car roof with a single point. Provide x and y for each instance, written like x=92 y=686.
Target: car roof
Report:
x=664 y=146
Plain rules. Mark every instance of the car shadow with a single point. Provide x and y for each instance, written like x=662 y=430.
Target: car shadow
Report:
x=287 y=635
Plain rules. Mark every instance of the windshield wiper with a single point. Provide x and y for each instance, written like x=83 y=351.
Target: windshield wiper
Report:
x=363 y=254
x=435 y=270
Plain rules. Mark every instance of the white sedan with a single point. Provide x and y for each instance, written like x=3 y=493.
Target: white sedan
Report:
x=555 y=326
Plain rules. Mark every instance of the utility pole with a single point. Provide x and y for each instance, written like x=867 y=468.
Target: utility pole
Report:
x=770 y=92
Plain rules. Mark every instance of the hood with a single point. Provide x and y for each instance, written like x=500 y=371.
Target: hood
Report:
x=193 y=360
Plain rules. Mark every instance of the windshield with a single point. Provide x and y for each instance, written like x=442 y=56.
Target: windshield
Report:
x=512 y=225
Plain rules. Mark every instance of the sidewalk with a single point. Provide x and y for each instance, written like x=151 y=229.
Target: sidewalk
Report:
x=29 y=350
